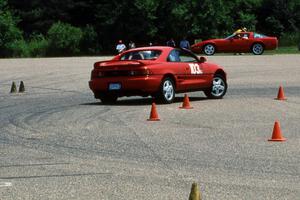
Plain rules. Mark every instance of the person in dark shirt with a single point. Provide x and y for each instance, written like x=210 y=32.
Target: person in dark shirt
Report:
x=171 y=43
x=184 y=44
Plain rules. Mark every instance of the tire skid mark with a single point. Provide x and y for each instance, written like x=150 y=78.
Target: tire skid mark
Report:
x=33 y=165
x=39 y=144
x=94 y=117
x=41 y=116
x=26 y=121
x=76 y=151
x=5 y=107
x=55 y=176
x=56 y=89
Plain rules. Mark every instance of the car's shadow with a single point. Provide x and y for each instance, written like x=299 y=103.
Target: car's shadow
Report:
x=141 y=101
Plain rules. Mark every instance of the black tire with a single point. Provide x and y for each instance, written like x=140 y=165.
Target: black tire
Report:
x=257 y=49
x=108 y=98
x=209 y=49
x=218 y=88
x=166 y=93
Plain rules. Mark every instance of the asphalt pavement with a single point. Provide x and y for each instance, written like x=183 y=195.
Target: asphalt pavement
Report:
x=58 y=142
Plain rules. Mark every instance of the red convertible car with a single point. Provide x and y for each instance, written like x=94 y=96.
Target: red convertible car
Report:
x=156 y=71
x=241 y=42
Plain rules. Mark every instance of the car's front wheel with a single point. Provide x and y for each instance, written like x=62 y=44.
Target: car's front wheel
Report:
x=108 y=98
x=218 y=88
x=257 y=49
x=166 y=93
x=209 y=49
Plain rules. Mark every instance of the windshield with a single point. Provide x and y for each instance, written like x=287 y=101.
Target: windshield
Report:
x=230 y=36
x=257 y=35
x=141 y=55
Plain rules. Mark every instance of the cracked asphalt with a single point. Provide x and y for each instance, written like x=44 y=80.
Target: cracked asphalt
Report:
x=58 y=142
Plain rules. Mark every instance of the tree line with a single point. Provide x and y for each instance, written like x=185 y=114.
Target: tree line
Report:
x=32 y=28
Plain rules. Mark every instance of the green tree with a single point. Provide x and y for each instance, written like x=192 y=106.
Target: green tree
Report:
x=64 y=39
x=279 y=16
x=9 y=32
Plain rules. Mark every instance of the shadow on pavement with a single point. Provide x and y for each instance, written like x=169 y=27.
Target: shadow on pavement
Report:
x=140 y=101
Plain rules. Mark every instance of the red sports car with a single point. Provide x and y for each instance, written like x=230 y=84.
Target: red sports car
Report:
x=156 y=71
x=241 y=42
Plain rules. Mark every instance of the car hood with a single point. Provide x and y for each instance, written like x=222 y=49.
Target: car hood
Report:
x=207 y=41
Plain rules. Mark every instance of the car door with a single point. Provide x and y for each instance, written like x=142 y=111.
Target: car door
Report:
x=191 y=74
x=178 y=68
x=239 y=43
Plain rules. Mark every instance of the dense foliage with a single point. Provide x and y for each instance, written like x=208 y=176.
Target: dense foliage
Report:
x=80 y=27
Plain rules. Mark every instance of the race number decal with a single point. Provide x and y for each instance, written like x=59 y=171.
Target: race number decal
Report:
x=195 y=69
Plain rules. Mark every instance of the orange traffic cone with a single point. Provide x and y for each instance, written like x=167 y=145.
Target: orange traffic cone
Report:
x=153 y=114
x=276 y=136
x=186 y=103
x=280 y=95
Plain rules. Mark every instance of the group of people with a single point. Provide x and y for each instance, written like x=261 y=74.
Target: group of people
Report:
x=184 y=43
x=122 y=47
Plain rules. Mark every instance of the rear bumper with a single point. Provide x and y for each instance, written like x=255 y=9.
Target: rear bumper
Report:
x=143 y=85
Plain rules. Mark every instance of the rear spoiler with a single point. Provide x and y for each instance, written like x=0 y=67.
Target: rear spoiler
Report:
x=117 y=63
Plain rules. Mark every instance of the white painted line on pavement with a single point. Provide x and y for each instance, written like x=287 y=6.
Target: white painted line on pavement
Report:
x=5 y=184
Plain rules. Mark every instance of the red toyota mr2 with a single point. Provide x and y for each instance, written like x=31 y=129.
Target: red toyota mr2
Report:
x=159 y=72
x=241 y=42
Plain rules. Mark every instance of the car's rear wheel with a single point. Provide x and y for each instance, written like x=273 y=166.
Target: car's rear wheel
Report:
x=257 y=49
x=209 y=49
x=166 y=93
x=108 y=98
x=218 y=88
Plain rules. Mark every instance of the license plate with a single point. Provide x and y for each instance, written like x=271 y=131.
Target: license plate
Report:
x=114 y=86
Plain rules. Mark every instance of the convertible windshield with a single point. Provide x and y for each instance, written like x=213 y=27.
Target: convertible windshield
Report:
x=141 y=55
x=230 y=36
x=257 y=35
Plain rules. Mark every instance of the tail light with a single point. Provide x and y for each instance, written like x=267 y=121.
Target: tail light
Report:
x=140 y=72
x=94 y=74
x=136 y=72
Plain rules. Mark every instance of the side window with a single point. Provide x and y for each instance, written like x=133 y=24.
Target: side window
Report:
x=174 y=56
x=177 y=55
x=186 y=57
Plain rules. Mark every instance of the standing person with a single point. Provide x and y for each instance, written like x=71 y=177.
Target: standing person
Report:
x=120 y=47
x=244 y=29
x=184 y=44
x=131 y=45
x=171 y=43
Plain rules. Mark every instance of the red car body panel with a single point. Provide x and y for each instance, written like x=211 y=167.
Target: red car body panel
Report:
x=237 y=44
x=143 y=77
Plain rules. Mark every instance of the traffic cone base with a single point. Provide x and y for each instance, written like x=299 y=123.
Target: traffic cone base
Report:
x=277 y=140
x=153 y=114
x=21 y=87
x=13 y=88
x=153 y=119
x=186 y=103
x=277 y=136
x=280 y=95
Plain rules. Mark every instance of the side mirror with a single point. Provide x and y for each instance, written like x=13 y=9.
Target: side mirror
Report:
x=202 y=59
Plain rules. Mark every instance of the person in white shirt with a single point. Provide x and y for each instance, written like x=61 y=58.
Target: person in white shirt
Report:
x=120 y=47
